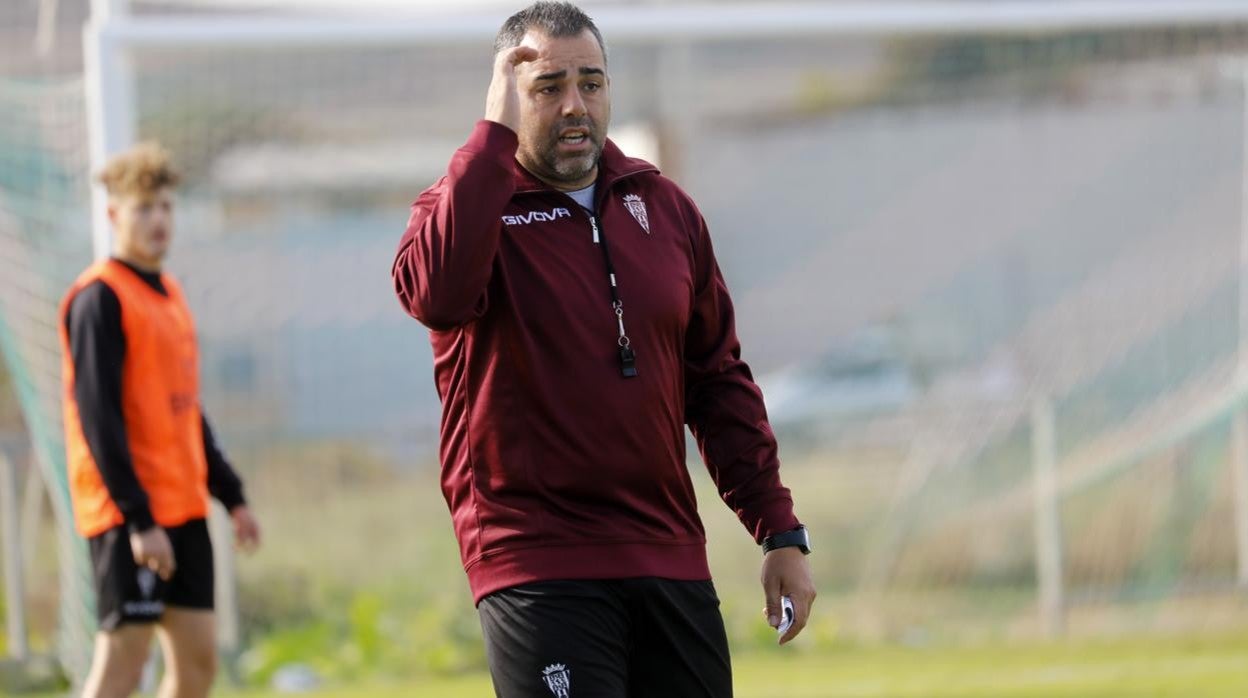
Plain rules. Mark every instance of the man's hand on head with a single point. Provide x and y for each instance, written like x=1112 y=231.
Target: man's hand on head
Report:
x=502 y=102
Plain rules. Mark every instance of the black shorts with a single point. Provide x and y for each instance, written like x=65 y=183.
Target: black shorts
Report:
x=127 y=593
x=620 y=638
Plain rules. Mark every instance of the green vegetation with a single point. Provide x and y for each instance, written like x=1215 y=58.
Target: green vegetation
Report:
x=1207 y=667
x=360 y=583
x=1210 y=667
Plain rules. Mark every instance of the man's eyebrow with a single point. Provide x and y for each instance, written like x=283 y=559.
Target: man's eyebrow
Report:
x=561 y=74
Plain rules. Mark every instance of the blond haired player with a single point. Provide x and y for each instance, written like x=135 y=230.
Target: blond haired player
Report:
x=142 y=458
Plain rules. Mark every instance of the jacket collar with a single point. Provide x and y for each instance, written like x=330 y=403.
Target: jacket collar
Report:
x=613 y=165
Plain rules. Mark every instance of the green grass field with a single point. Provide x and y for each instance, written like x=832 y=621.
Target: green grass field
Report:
x=976 y=643
x=1204 y=667
x=359 y=613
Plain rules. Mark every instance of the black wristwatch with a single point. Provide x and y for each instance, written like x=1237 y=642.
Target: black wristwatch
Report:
x=797 y=538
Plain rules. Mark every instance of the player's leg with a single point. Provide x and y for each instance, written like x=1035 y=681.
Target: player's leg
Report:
x=128 y=606
x=117 y=665
x=188 y=630
x=188 y=638
x=682 y=648
x=560 y=639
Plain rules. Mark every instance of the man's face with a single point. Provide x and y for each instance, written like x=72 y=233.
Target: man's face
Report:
x=565 y=106
x=144 y=226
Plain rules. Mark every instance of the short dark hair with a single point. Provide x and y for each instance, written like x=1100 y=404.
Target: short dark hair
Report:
x=554 y=19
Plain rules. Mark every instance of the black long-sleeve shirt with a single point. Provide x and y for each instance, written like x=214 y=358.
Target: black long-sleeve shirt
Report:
x=97 y=344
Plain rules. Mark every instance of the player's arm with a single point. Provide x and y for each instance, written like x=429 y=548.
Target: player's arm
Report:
x=223 y=481
x=227 y=487
x=446 y=256
x=725 y=411
x=97 y=346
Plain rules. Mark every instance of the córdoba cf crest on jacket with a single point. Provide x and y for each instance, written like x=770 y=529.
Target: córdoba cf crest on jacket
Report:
x=637 y=207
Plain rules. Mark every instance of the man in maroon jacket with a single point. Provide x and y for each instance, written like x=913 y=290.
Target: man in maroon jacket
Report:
x=579 y=321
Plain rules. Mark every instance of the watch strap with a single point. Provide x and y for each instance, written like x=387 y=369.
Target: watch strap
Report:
x=795 y=538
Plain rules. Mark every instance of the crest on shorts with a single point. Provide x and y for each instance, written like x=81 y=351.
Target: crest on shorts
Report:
x=558 y=679
x=637 y=207
x=147 y=582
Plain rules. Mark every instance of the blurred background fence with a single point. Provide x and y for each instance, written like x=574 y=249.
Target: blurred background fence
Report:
x=991 y=281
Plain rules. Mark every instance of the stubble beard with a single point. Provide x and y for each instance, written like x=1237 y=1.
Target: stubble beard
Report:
x=571 y=169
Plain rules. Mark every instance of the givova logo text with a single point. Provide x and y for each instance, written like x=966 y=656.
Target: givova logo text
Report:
x=537 y=216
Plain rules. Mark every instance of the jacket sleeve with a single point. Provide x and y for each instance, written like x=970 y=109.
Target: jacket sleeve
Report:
x=223 y=482
x=446 y=256
x=723 y=406
x=97 y=347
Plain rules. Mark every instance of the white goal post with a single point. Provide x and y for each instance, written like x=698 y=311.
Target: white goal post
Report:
x=112 y=31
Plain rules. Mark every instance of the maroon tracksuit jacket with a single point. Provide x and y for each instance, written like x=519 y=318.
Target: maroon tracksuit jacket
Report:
x=555 y=465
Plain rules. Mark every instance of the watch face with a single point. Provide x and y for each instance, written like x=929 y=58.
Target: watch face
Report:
x=804 y=537
x=800 y=539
